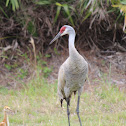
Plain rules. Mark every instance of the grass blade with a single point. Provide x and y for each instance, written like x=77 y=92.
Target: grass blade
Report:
x=57 y=13
x=7 y=2
x=87 y=15
x=66 y=9
x=43 y=2
x=4 y=12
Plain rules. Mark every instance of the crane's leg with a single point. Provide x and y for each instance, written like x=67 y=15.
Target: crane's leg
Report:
x=77 y=110
x=68 y=112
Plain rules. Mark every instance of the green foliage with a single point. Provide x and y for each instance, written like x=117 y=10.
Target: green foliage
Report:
x=76 y=11
x=43 y=2
x=80 y=10
x=43 y=67
x=32 y=29
x=83 y=5
x=56 y=51
x=22 y=73
x=123 y=2
x=115 y=1
x=3 y=90
x=3 y=13
x=14 y=3
x=66 y=8
x=47 y=55
x=122 y=7
x=83 y=9
x=10 y=67
x=46 y=71
x=57 y=12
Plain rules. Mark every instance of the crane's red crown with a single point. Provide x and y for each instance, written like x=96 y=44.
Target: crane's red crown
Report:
x=62 y=29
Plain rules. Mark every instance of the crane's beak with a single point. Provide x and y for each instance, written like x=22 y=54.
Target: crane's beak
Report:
x=56 y=37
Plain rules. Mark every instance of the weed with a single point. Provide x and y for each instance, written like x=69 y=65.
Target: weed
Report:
x=43 y=67
x=47 y=55
x=56 y=51
x=3 y=90
x=32 y=29
x=22 y=73
x=9 y=67
x=46 y=71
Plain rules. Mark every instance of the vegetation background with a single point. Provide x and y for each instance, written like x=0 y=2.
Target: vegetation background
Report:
x=29 y=66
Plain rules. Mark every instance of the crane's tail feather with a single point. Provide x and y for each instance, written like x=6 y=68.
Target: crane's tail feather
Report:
x=61 y=101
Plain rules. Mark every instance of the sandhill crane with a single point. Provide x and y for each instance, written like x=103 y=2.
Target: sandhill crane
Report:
x=5 y=121
x=72 y=73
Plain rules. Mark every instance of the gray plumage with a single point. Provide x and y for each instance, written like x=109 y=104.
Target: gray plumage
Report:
x=71 y=76
x=72 y=73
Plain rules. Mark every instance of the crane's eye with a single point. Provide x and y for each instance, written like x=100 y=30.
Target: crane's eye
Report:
x=62 y=29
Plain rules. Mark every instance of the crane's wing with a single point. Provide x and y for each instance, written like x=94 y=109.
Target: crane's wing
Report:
x=61 y=83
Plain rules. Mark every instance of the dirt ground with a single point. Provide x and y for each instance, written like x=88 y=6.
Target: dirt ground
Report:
x=113 y=66
x=110 y=64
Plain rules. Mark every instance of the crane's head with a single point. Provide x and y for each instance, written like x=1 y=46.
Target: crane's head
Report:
x=8 y=110
x=66 y=29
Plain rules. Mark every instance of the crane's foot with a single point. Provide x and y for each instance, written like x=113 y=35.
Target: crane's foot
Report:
x=68 y=112
x=77 y=110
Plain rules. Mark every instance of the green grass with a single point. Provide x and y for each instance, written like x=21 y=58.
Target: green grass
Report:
x=37 y=105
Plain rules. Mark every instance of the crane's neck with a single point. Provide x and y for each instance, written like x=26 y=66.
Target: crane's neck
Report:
x=72 y=50
x=6 y=120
